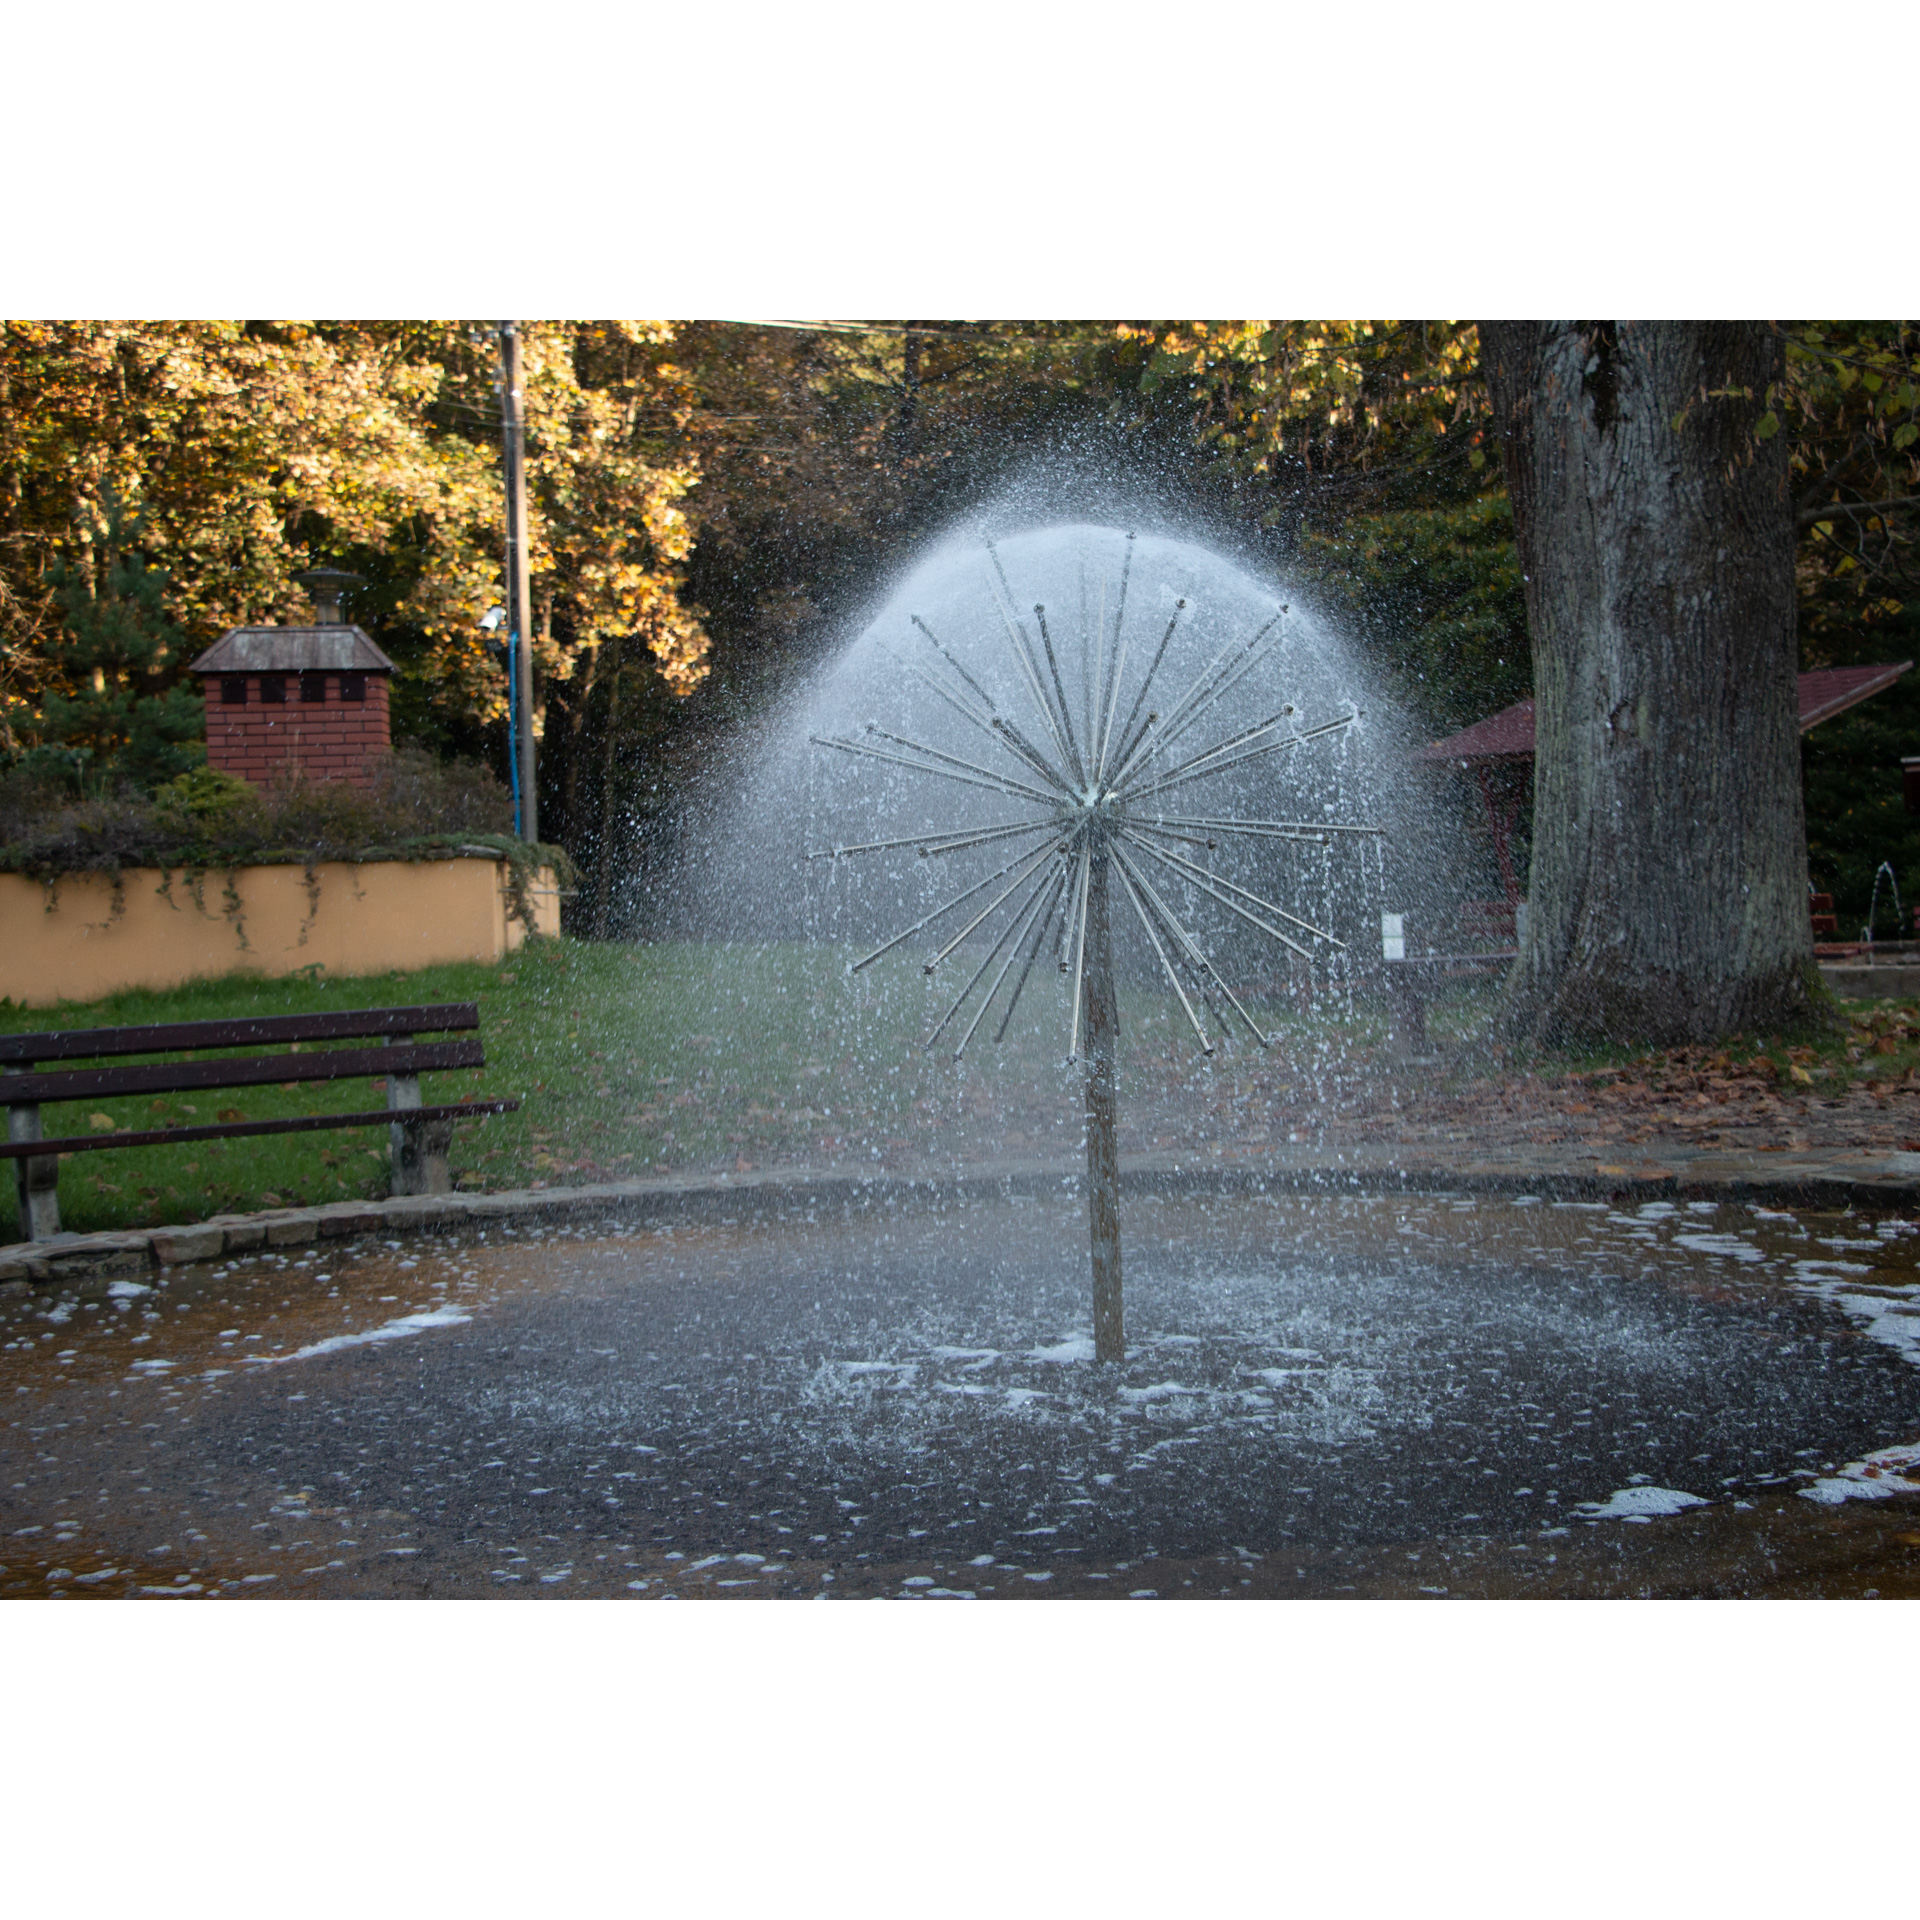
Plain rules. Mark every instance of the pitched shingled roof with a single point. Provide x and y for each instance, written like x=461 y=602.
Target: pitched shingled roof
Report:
x=293 y=650
x=1508 y=735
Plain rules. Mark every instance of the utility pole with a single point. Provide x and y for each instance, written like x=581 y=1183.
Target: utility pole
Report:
x=513 y=436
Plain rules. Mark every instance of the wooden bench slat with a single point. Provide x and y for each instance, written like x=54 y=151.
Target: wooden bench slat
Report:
x=252 y=1070
x=304 y=1123
x=186 y=1036
x=1502 y=957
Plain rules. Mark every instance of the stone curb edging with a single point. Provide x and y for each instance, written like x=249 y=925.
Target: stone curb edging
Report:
x=1809 y=1180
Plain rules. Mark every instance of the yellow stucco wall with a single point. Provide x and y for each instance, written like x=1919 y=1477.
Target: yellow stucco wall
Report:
x=369 y=919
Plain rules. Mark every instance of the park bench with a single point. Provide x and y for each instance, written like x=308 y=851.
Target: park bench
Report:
x=1413 y=979
x=420 y=1135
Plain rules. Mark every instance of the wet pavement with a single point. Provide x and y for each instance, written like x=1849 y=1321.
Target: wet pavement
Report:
x=1322 y=1396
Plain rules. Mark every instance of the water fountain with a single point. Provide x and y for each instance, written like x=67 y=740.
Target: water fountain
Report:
x=1884 y=872
x=1101 y=811
x=873 y=1374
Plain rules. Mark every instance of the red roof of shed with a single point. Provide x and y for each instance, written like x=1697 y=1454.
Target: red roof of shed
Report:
x=1508 y=735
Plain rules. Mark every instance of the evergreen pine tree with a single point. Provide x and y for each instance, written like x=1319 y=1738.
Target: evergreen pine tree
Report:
x=117 y=711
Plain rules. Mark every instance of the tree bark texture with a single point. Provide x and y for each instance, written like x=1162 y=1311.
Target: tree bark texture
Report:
x=1103 y=1135
x=1668 y=901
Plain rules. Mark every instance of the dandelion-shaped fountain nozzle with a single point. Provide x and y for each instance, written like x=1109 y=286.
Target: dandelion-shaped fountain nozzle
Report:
x=1096 y=795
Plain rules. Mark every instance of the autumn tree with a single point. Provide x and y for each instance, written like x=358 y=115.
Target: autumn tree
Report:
x=712 y=502
x=248 y=450
x=252 y=450
x=1654 y=519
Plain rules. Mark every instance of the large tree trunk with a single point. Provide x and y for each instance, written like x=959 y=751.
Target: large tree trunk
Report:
x=1668 y=901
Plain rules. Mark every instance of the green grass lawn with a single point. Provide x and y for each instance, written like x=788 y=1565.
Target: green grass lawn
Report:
x=629 y=1059
x=678 y=1057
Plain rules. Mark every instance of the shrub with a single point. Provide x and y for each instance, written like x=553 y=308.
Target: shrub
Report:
x=416 y=808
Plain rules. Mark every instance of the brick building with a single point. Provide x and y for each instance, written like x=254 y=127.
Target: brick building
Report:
x=306 y=699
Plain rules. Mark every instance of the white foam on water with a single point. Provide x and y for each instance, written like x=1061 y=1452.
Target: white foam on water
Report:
x=1891 y=1317
x=1879 y=1476
x=1894 y=1323
x=1639 y=1503
x=401 y=1329
x=1723 y=1245
x=1076 y=1346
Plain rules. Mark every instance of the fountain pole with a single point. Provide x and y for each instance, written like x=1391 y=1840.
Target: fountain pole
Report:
x=1103 y=1147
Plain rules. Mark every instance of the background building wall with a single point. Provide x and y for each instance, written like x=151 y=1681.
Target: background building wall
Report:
x=73 y=941
x=333 y=739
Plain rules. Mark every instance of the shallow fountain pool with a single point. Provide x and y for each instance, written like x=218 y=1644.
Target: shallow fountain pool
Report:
x=848 y=1398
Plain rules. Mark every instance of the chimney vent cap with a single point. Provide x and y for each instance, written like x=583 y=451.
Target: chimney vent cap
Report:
x=326 y=585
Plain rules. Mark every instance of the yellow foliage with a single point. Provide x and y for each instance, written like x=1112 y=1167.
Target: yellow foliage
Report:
x=1320 y=393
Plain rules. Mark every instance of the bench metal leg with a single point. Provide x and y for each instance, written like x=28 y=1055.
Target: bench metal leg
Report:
x=419 y=1147
x=1407 y=1014
x=36 y=1181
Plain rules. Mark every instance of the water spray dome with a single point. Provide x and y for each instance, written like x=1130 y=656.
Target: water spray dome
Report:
x=1117 y=763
